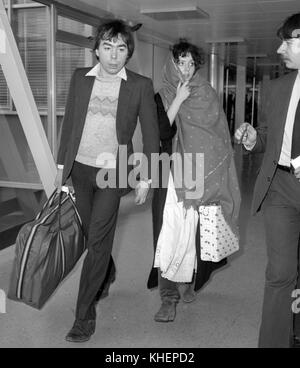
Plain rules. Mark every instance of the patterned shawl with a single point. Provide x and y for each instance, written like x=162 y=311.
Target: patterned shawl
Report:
x=202 y=128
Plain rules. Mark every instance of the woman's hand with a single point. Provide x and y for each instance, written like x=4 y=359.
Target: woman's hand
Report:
x=183 y=91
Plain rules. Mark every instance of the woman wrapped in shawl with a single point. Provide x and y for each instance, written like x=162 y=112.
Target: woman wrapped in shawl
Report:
x=192 y=104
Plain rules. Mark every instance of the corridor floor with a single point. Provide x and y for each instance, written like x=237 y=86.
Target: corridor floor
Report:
x=226 y=313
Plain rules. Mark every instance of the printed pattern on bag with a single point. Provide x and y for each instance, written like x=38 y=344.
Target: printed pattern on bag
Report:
x=217 y=240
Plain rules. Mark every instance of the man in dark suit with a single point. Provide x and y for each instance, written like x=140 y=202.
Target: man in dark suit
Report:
x=101 y=114
x=277 y=189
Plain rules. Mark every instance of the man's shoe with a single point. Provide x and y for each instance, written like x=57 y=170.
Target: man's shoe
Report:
x=296 y=342
x=166 y=313
x=189 y=294
x=81 y=331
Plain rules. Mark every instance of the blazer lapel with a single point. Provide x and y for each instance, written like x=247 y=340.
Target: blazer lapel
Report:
x=83 y=101
x=123 y=103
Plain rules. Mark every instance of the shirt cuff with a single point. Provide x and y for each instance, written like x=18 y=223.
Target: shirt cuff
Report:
x=148 y=181
x=145 y=182
x=61 y=167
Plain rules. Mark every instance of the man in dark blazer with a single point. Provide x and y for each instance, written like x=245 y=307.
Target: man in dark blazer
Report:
x=101 y=115
x=277 y=189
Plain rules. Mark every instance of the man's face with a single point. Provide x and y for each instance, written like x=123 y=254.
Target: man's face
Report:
x=186 y=65
x=112 y=55
x=290 y=52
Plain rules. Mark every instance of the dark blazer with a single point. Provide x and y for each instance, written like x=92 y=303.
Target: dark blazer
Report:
x=136 y=100
x=270 y=137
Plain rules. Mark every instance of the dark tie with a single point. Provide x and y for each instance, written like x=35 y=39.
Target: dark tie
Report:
x=296 y=134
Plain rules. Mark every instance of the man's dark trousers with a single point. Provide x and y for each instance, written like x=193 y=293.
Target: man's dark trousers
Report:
x=98 y=209
x=281 y=210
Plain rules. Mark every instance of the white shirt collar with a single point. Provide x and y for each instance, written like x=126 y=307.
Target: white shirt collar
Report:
x=96 y=71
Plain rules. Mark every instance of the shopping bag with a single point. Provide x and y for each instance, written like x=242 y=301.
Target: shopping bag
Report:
x=47 y=249
x=217 y=240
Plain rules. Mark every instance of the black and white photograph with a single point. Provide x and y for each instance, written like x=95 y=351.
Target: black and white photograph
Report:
x=150 y=177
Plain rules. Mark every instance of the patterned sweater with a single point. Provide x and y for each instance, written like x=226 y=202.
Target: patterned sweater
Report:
x=99 y=144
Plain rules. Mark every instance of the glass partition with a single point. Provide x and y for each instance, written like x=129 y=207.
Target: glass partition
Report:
x=21 y=191
x=30 y=29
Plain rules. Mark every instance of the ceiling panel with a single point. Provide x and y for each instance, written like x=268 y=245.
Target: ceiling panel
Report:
x=256 y=21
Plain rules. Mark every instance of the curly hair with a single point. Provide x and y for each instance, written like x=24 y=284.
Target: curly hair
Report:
x=183 y=47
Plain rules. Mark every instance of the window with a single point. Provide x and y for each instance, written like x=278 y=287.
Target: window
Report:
x=30 y=26
x=68 y=58
x=70 y=55
x=19 y=177
x=4 y=97
x=73 y=26
x=23 y=1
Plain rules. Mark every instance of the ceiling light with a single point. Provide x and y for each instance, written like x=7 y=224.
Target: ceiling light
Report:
x=182 y=13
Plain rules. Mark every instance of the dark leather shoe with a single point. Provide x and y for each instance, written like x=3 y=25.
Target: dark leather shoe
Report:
x=296 y=342
x=81 y=331
x=166 y=313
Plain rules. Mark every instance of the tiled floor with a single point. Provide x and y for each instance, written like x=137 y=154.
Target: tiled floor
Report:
x=225 y=314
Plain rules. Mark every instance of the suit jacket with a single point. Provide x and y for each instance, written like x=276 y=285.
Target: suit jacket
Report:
x=270 y=138
x=136 y=99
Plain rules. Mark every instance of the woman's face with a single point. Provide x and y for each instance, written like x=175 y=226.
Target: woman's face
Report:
x=187 y=67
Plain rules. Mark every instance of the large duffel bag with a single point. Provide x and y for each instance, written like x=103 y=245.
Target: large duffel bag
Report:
x=47 y=249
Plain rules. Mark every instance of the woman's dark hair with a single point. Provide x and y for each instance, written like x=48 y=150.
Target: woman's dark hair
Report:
x=183 y=47
x=112 y=29
x=289 y=25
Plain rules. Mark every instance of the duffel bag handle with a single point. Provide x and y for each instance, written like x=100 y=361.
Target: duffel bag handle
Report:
x=70 y=195
x=47 y=204
x=51 y=199
x=59 y=207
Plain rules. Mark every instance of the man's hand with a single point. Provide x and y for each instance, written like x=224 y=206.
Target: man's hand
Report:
x=246 y=134
x=297 y=173
x=141 y=192
x=58 y=180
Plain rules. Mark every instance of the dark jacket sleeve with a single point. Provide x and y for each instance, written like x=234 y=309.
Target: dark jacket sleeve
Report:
x=261 y=140
x=166 y=130
x=149 y=127
x=66 y=124
x=262 y=130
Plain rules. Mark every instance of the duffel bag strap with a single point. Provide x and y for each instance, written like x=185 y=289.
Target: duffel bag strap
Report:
x=47 y=204
x=70 y=195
